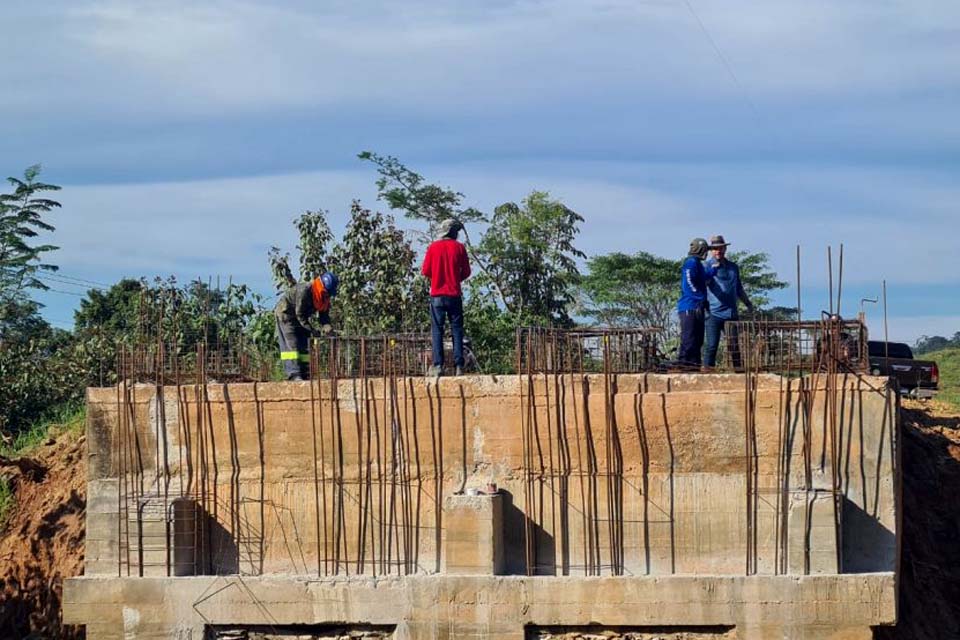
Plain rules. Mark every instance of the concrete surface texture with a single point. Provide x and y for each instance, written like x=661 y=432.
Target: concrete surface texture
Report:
x=646 y=495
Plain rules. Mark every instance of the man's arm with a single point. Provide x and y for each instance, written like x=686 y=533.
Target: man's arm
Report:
x=688 y=276
x=464 y=264
x=744 y=298
x=709 y=270
x=304 y=307
x=425 y=269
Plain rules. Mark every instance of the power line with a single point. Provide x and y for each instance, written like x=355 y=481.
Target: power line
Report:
x=723 y=60
x=60 y=274
x=49 y=278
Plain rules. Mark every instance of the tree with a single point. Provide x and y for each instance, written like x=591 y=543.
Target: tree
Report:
x=639 y=290
x=531 y=258
x=22 y=216
x=407 y=191
x=380 y=289
x=642 y=289
x=927 y=344
x=315 y=237
x=37 y=371
x=758 y=279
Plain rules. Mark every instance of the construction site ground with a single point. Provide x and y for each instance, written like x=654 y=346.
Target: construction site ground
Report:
x=42 y=539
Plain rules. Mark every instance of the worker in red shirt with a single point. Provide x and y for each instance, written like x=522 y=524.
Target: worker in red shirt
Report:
x=447 y=265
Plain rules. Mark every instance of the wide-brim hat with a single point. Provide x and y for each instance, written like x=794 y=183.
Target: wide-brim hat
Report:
x=717 y=241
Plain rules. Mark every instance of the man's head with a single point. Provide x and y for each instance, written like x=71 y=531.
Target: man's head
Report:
x=718 y=247
x=449 y=228
x=331 y=283
x=698 y=247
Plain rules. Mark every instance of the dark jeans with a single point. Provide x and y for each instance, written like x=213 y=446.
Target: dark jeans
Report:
x=714 y=327
x=691 y=337
x=441 y=308
x=294 y=343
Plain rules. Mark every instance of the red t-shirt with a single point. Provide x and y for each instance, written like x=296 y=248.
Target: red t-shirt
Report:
x=447 y=265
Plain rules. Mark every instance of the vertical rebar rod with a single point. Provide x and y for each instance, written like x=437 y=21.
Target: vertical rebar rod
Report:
x=314 y=407
x=830 y=275
x=840 y=279
x=886 y=334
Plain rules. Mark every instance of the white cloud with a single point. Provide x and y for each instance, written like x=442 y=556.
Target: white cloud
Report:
x=224 y=223
x=178 y=57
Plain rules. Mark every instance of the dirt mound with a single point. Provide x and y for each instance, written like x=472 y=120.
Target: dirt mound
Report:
x=929 y=604
x=43 y=539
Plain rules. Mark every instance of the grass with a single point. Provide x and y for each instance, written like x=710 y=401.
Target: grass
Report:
x=69 y=418
x=7 y=501
x=948 y=361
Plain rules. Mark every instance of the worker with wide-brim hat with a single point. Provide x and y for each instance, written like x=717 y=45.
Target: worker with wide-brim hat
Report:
x=724 y=291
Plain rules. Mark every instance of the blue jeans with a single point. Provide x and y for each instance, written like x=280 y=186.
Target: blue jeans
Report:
x=714 y=326
x=691 y=337
x=441 y=308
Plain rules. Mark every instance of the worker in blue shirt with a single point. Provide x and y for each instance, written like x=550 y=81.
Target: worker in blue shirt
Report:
x=692 y=304
x=723 y=292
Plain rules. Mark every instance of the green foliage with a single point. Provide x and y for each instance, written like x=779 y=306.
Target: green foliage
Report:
x=8 y=501
x=948 y=362
x=114 y=312
x=928 y=344
x=642 y=289
x=492 y=334
x=38 y=370
x=638 y=290
x=380 y=291
x=531 y=259
x=407 y=191
x=315 y=238
x=280 y=269
x=22 y=219
x=757 y=277
x=69 y=417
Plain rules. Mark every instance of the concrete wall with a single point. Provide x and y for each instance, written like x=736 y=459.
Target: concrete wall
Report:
x=503 y=607
x=658 y=487
x=632 y=475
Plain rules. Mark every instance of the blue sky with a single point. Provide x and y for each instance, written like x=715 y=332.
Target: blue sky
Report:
x=188 y=135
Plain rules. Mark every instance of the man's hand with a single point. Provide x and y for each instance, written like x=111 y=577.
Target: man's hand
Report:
x=324 y=331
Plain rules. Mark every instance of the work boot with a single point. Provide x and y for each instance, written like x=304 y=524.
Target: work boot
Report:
x=434 y=371
x=459 y=371
x=295 y=379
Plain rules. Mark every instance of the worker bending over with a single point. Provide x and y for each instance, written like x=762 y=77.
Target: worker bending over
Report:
x=294 y=310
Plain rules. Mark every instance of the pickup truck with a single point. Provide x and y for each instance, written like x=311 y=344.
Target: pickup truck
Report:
x=917 y=378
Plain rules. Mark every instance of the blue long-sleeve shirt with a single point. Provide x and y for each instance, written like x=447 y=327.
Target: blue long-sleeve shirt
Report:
x=725 y=289
x=693 y=284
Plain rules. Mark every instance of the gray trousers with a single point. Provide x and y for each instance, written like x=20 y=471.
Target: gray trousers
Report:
x=294 y=343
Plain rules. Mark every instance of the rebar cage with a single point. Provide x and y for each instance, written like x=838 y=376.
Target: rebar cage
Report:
x=792 y=348
x=547 y=350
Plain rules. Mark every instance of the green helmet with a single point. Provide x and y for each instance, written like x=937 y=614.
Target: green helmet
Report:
x=698 y=247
